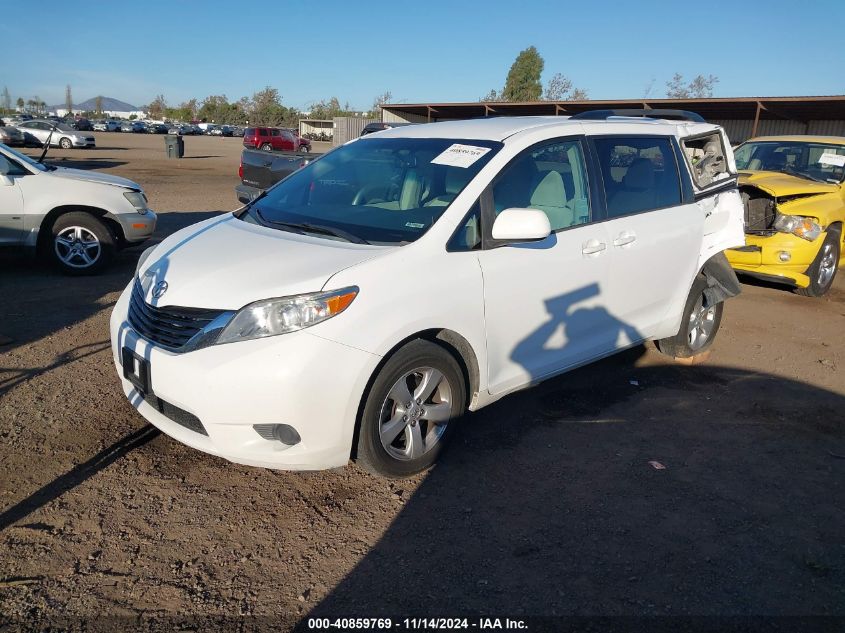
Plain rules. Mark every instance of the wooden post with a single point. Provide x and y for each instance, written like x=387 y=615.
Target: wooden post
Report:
x=756 y=120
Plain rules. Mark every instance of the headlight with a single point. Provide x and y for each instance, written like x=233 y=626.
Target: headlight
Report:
x=806 y=228
x=138 y=200
x=144 y=256
x=286 y=314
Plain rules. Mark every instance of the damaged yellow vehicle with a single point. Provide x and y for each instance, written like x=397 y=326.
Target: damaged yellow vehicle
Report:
x=792 y=190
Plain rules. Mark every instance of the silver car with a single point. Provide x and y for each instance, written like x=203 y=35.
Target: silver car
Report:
x=60 y=134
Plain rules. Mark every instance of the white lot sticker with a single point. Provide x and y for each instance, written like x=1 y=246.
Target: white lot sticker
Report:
x=458 y=155
x=832 y=159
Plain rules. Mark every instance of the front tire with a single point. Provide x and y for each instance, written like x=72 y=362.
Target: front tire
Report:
x=822 y=271
x=410 y=410
x=699 y=325
x=80 y=244
x=65 y=143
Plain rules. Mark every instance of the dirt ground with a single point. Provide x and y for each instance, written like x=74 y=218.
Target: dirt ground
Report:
x=545 y=504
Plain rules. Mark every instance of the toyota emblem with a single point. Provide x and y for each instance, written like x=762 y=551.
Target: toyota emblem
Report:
x=159 y=289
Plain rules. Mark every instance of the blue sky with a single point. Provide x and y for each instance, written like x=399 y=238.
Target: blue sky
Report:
x=421 y=51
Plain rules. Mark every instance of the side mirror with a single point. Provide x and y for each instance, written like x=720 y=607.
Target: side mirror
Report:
x=521 y=225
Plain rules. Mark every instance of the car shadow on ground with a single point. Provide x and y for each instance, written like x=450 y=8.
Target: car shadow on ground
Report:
x=623 y=489
x=83 y=163
x=28 y=284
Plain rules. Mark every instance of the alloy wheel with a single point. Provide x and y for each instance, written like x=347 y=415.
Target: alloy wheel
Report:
x=415 y=413
x=702 y=320
x=77 y=247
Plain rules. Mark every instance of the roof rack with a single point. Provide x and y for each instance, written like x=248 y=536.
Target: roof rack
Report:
x=600 y=115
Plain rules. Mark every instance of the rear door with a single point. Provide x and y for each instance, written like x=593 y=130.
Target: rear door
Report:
x=654 y=236
x=710 y=162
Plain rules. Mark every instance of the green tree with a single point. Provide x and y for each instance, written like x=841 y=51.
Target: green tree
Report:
x=560 y=88
x=68 y=100
x=214 y=109
x=493 y=95
x=267 y=108
x=699 y=88
x=378 y=102
x=157 y=107
x=20 y=103
x=523 y=81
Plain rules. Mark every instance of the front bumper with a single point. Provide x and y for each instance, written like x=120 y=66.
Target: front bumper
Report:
x=760 y=257
x=136 y=227
x=299 y=379
x=84 y=143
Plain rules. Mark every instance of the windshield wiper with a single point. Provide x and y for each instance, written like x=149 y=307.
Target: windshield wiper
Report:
x=801 y=174
x=302 y=227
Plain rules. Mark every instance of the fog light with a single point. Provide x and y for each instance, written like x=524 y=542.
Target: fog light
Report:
x=784 y=256
x=283 y=433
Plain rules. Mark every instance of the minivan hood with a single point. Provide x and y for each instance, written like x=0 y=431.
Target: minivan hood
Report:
x=224 y=263
x=780 y=184
x=92 y=176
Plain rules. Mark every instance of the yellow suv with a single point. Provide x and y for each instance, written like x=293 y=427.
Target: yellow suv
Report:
x=792 y=190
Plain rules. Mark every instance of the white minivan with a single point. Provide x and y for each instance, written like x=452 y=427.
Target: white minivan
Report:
x=361 y=305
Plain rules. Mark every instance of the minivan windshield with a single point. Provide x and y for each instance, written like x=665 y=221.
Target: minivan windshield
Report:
x=375 y=190
x=822 y=162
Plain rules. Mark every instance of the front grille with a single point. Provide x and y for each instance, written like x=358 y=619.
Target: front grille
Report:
x=179 y=416
x=170 y=327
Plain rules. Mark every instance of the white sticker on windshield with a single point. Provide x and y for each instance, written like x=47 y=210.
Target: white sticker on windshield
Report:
x=832 y=159
x=458 y=155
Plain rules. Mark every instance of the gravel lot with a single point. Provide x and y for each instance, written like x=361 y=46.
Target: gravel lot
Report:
x=546 y=503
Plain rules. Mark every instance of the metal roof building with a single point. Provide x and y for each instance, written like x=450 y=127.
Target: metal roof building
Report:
x=742 y=117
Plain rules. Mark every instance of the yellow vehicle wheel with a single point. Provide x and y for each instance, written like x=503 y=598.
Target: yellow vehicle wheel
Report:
x=822 y=271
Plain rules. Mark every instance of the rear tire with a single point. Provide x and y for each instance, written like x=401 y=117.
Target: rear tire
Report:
x=410 y=411
x=699 y=326
x=80 y=244
x=822 y=271
x=267 y=147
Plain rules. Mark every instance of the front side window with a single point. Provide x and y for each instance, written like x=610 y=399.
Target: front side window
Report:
x=381 y=191
x=638 y=173
x=551 y=177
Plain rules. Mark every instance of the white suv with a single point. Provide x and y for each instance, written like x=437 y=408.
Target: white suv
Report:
x=362 y=304
x=76 y=218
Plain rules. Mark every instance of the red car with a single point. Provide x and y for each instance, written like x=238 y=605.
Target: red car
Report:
x=270 y=138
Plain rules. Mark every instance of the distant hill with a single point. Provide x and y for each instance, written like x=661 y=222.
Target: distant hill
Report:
x=108 y=104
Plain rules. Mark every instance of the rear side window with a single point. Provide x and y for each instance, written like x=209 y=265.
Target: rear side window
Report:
x=639 y=174
x=250 y=131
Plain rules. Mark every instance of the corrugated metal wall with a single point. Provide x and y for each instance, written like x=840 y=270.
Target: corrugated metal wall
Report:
x=391 y=117
x=348 y=127
x=739 y=130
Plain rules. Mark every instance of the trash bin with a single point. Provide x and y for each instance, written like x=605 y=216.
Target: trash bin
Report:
x=174 y=146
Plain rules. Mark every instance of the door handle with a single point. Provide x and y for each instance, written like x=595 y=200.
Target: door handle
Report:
x=624 y=239
x=593 y=247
